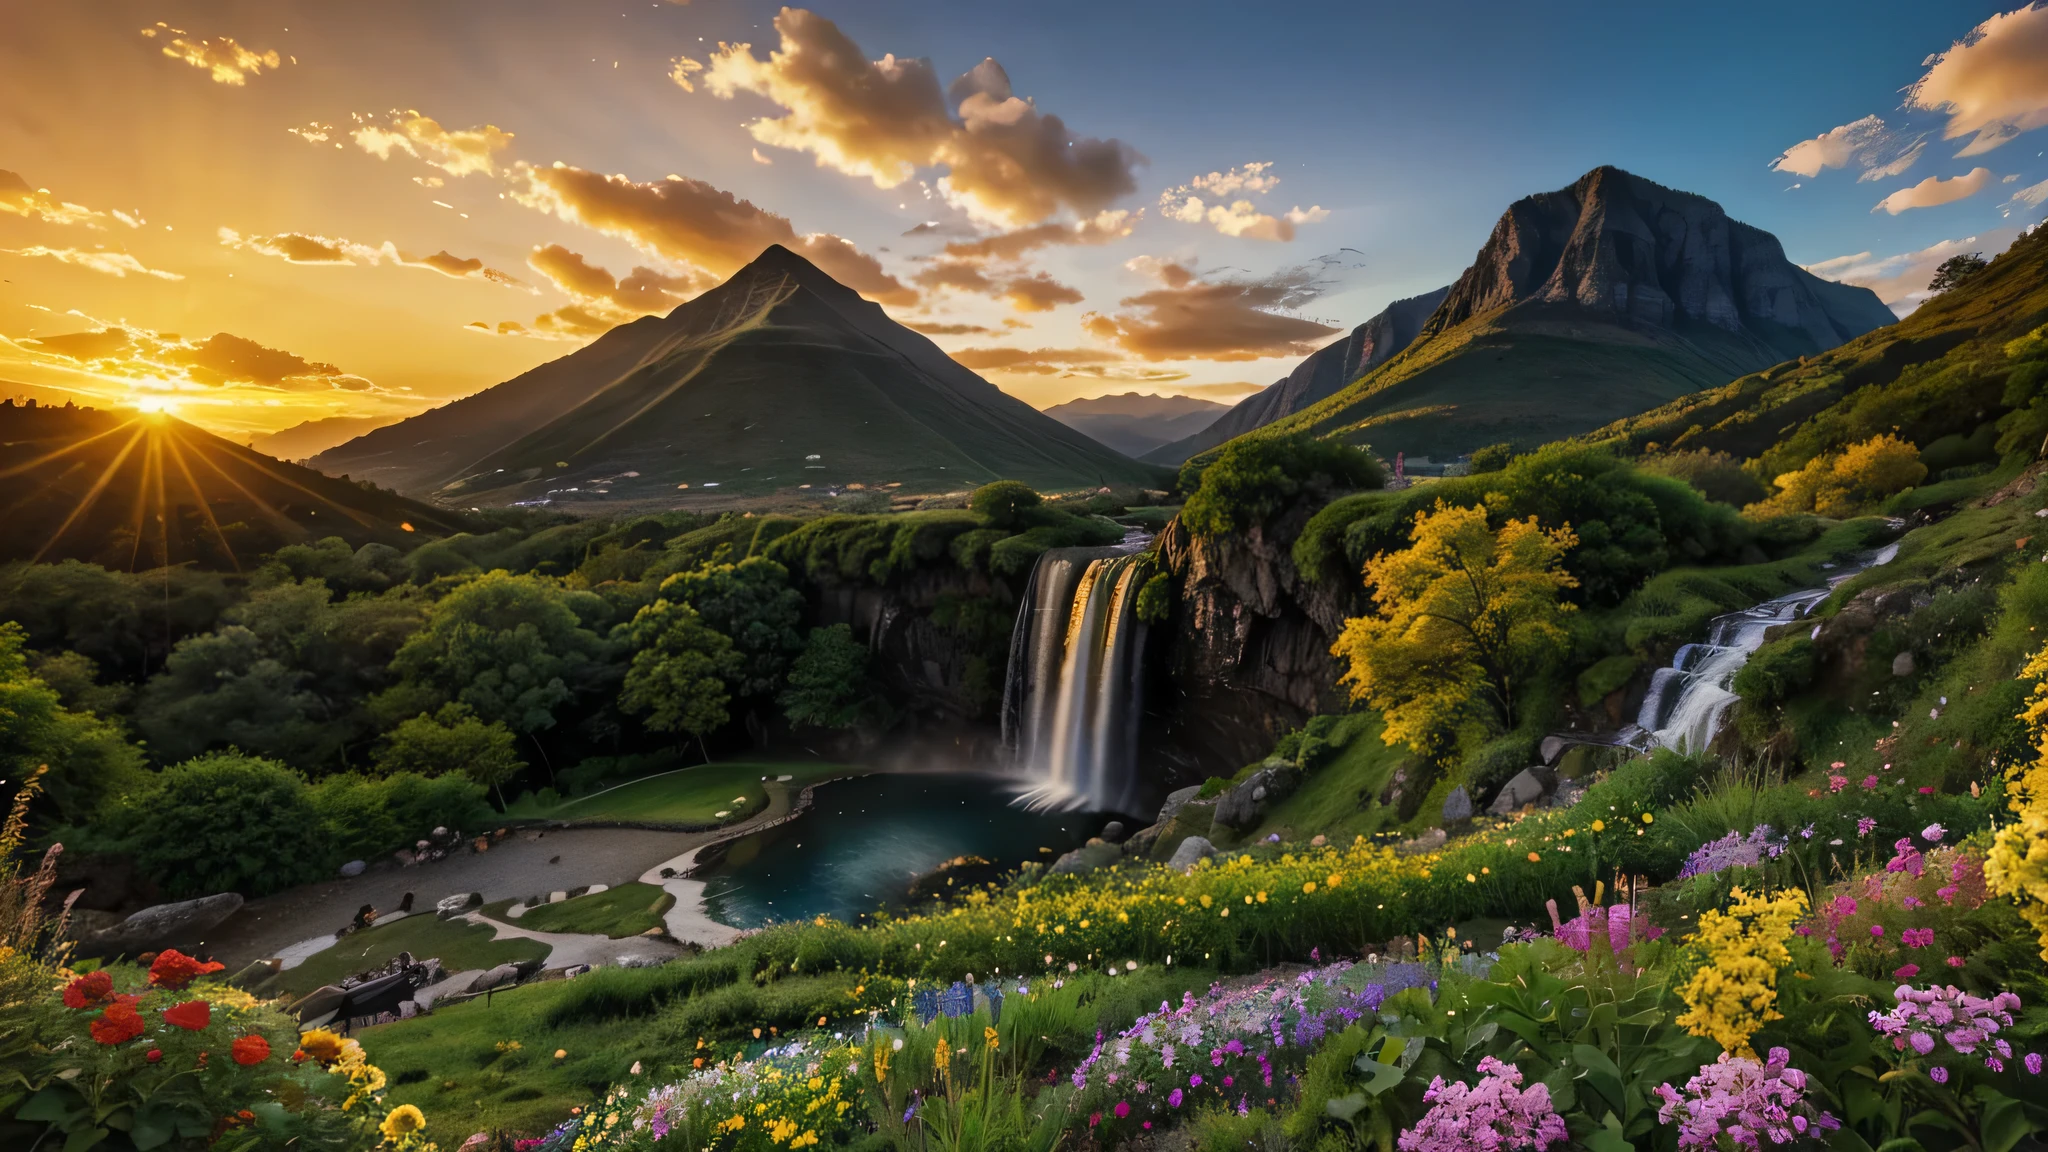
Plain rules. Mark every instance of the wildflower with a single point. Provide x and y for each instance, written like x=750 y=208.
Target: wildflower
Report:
x=1938 y=1074
x=1649 y=819
x=250 y=1049
x=1743 y=1099
x=1963 y=1022
x=173 y=969
x=1905 y=972
x=1870 y=783
x=1917 y=937
x=1865 y=826
x=1122 y=1109
x=89 y=991
x=2033 y=1063
x=1173 y=1098
x=154 y=1055
x=1732 y=994
x=402 y=1121
x=1837 y=783
x=1599 y=825
x=192 y=1015
x=1933 y=833
x=1509 y=1117
x=1955 y=961
x=119 y=1024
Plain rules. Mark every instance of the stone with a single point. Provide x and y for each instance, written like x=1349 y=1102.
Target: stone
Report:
x=1569 y=792
x=1902 y=664
x=353 y=868
x=1113 y=831
x=1550 y=749
x=499 y=977
x=1175 y=801
x=1458 y=805
x=456 y=905
x=1089 y=857
x=1241 y=808
x=1529 y=786
x=1194 y=818
x=1192 y=851
x=1429 y=841
x=162 y=926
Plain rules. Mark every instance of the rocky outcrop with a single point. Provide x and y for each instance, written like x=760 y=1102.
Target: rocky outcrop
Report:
x=942 y=676
x=1244 y=806
x=1247 y=655
x=1616 y=245
x=1323 y=373
x=184 y=924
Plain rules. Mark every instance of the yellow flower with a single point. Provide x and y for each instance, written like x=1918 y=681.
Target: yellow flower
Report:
x=1206 y=900
x=1534 y=858
x=1599 y=825
x=1732 y=994
x=988 y=1037
x=402 y=1120
x=1334 y=880
x=1649 y=819
x=1308 y=887
x=1262 y=897
x=322 y=1046
x=1471 y=879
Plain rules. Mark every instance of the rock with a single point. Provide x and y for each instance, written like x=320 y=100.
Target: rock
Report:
x=1458 y=805
x=162 y=926
x=1569 y=792
x=1113 y=831
x=321 y=1001
x=499 y=977
x=1529 y=786
x=1551 y=748
x=1175 y=801
x=1902 y=664
x=1241 y=808
x=353 y=868
x=1095 y=854
x=1318 y=840
x=1429 y=841
x=1195 y=818
x=1191 y=851
x=457 y=904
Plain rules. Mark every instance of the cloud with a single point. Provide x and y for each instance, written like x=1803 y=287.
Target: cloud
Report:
x=760 y=159
x=112 y=263
x=219 y=360
x=942 y=328
x=1007 y=162
x=1189 y=317
x=229 y=62
x=1935 y=191
x=1991 y=83
x=1039 y=292
x=1880 y=152
x=303 y=248
x=1901 y=280
x=2032 y=195
x=641 y=292
x=1093 y=363
x=690 y=222
x=18 y=198
x=1240 y=218
x=1101 y=228
x=457 y=153
x=994 y=265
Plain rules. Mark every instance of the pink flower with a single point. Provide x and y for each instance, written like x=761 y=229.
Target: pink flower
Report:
x=1906 y=972
x=1865 y=826
x=1927 y=791
x=1870 y=783
x=1938 y=1074
x=2033 y=1063
x=1917 y=937
x=1742 y=1099
x=1837 y=783
x=1494 y=1113
x=1955 y=961
x=1122 y=1109
x=1877 y=929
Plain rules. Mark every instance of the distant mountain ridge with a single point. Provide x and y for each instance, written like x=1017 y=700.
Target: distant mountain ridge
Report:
x=1321 y=374
x=1586 y=305
x=778 y=377
x=310 y=437
x=1137 y=422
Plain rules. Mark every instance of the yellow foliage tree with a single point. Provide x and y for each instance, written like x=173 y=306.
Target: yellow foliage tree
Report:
x=1846 y=484
x=1463 y=614
x=2018 y=862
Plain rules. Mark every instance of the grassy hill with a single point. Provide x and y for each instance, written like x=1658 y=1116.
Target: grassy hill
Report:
x=778 y=378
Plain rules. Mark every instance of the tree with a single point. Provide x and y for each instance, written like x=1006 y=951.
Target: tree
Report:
x=1844 y=485
x=1955 y=270
x=452 y=740
x=90 y=762
x=1257 y=477
x=1003 y=502
x=509 y=647
x=752 y=604
x=1491 y=458
x=829 y=686
x=225 y=822
x=223 y=688
x=1464 y=613
x=679 y=671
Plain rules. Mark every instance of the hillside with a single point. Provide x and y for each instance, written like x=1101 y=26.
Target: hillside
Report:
x=134 y=491
x=777 y=378
x=1137 y=422
x=1940 y=378
x=1320 y=375
x=311 y=437
x=1587 y=305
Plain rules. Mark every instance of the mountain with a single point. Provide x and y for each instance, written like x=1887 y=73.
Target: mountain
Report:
x=1370 y=345
x=128 y=490
x=314 y=436
x=778 y=377
x=1137 y=422
x=1586 y=305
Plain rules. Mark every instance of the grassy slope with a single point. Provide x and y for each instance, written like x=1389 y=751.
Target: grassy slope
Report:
x=693 y=796
x=459 y=944
x=1340 y=798
x=627 y=910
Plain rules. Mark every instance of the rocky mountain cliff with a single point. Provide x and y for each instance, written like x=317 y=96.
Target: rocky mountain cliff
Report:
x=1586 y=305
x=1369 y=345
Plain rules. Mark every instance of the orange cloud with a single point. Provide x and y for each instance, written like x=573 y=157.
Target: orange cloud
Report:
x=1991 y=82
x=1101 y=228
x=1188 y=318
x=691 y=222
x=118 y=264
x=1006 y=161
x=18 y=198
x=1039 y=292
x=1093 y=363
x=302 y=248
x=229 y=62
x=1935 y=191
x=219 y=360
x=457 y=153
x=1879 y=151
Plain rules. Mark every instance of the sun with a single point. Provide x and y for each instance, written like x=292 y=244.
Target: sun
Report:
x=156 y=405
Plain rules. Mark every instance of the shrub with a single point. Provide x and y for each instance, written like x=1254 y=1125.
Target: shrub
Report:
x=1491 y=458
x=1776 y=671
x=226 y=822
x=1003 y=502
x=1255 y=478
x=1717 y=475
x=364 y=818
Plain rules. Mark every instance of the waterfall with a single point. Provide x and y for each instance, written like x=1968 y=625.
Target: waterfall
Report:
x=1688 y=700
x=1071 y=702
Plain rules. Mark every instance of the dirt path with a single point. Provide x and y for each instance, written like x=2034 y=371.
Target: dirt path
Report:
x=525 y=863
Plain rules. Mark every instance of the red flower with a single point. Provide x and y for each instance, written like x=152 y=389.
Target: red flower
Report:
x=250 y=1050
x=174 y=969
x=119 y=1024
x=192 y=1015
x=153 y=1055
x=89 y=991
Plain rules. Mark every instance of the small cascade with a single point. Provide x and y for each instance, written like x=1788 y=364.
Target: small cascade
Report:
x=1688 y=700
x=1071 y=701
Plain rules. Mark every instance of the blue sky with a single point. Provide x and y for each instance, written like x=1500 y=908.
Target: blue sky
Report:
x=410 y=203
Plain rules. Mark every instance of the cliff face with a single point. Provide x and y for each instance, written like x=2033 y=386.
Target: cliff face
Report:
x=1322 y=374
x=1247 y=654
x=1614 y=245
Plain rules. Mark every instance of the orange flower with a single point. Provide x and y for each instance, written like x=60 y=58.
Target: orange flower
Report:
x=250 y=1050
x=173 y=969
x=89 y=991
x=119 y=1024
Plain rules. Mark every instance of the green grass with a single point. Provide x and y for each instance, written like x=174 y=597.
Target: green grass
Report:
x=1341 y=798
x=459 y=944
x=689 y=796
x=627 y=910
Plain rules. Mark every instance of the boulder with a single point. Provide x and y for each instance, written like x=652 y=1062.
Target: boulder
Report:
x=1097 y=853
x=456 y=905
x=1902 y=664
x=1458 y=805
x=163 y=926
x=1194 y=818
x=1113 y=832
x=353 y=868
x=1550 y=749
x=1429 y=841
x=1175 y=801
x=499 y=977
x=1192 y=851
x=1241 y=808
x=1529 y=786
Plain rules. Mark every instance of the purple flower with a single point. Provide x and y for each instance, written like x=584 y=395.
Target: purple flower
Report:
x=2033 y=1063
x=1732 y=851
x=1865 y=826
x=1938 y=1074
x=1174 y=1097
x=1195 y=1081
x=1742 y=1099
x=1494 y=1113
x=1122 y=1109
x=1917 y=937
x=1933 y=833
